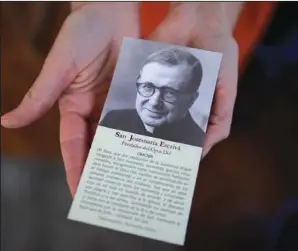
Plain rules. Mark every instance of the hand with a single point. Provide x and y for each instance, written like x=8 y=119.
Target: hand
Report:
x=76 y=73
x=206 y=26
x=78 y=69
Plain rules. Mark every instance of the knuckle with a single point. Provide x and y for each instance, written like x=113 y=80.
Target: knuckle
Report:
x=220 y=116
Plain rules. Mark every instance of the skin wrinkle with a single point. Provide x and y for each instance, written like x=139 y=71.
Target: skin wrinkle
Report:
x=217 y=18
x=210 y=17
x=81 y=137
x=68 y=104
x=82 y=85
x=223 y=10
x=220 y=116
x=35 y=101
x=101 y=74
x=74 y=48
x=77 y=80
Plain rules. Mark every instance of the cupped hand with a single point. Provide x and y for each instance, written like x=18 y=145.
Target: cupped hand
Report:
x=77 y=73
x=80 y=64
x=208 y=26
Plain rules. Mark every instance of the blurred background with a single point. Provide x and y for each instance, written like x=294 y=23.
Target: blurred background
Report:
x=247 y=191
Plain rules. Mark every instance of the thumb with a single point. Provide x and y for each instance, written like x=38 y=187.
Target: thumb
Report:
x=176 y=27
x=57 y=72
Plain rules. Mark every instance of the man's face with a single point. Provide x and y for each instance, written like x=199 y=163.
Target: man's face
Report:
x=153 y=110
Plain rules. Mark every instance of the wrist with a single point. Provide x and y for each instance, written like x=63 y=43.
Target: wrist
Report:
x=214 y=19
x=77 y=5
x=219 y=18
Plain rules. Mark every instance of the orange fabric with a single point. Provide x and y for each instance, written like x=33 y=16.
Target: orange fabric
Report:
x=250 y=26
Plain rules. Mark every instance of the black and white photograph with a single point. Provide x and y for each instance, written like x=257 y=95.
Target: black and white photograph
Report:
x=162 y=91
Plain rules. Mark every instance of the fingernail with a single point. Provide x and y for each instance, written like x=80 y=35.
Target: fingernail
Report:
x=4 y=120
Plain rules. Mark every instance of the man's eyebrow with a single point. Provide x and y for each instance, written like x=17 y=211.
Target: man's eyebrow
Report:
x=168 y=87
x=164 y=87
x=145 y=82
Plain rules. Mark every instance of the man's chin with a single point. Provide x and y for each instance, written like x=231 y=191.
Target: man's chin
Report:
x=153 y=123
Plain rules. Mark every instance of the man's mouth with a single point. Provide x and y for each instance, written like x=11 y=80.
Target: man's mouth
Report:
x=155 y=112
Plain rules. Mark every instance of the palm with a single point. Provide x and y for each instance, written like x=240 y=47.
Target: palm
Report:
x=95 y=48
x=79 y=67
x=226 y=88
x=76 y=73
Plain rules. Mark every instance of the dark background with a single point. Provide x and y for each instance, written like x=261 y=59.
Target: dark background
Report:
x=247 y=192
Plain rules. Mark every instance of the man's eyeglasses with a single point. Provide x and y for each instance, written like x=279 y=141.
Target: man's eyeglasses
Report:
x=168 y=94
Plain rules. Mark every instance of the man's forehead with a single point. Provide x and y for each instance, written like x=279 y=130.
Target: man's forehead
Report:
x=162 y=74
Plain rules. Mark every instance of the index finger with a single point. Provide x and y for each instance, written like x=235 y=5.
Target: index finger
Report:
x=56 y=74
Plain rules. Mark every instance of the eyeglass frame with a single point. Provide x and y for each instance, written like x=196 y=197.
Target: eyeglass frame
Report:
x=161 y=89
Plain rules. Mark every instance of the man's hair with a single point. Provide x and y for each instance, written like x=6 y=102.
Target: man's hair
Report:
x=175 y=56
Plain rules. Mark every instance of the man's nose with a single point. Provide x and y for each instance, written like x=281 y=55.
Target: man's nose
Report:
x=155 y=99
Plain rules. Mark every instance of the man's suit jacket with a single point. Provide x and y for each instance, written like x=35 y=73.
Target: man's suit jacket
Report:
x=184 y=131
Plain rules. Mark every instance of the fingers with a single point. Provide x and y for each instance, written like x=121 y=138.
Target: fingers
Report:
x=75 y=109
x=57 y=72
x=74 y=147
x=221 y=115
x=215 y=134
x=224 y=96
